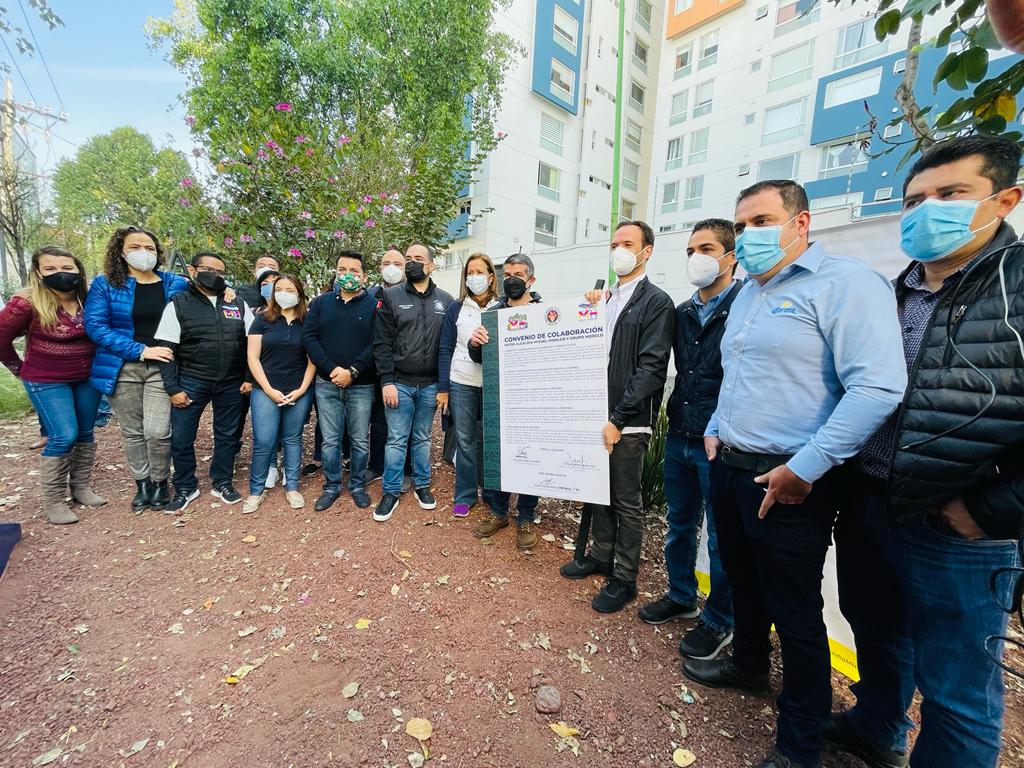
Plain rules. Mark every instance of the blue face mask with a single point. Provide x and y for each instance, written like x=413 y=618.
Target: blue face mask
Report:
x=758 y=249
x=933 y=229
x=266 y=290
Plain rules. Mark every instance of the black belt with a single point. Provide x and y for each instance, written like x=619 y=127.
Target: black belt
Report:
x=758 y=463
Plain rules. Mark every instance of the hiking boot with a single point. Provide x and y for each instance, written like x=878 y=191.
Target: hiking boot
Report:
x=53 y=478
x=160 y=496
x=580 y=569
x=227 y=494
x=182 y=498
x=143 y=497
x=841 y=736
x=526 y=535
x=666 y=609
x=614 y=596
x=386 y=508
x=82 y=457
x=703 y=643
x=425 y=498
x=490 y=525
x=723 y=673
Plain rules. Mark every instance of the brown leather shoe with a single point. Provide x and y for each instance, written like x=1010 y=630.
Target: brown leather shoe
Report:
x=490 y=525
x=526 y=537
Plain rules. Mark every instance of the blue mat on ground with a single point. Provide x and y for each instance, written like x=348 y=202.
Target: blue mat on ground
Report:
x=10 y=534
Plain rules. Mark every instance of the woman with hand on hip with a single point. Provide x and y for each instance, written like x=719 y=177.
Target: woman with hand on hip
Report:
x=55 y=372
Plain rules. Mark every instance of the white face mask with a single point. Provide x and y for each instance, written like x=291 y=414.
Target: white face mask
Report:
x=703 y=269
x=141 y=259
x=286 y=300
x=624 y=261
x=261 y=272
x=392 y=274
x=477 y=284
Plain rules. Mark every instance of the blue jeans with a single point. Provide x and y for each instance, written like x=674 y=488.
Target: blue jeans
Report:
x=272 y=424
x=464 y=402
x=337 y=407
x=226 y=399
x=67 y=413
x=948 y=610
x=686 y=493
x=413 y=418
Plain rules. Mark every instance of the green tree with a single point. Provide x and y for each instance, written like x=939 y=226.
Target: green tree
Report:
x=415 y=83
x=120 y=179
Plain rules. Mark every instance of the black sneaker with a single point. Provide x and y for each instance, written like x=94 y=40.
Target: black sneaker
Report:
x=227 y=494
x=841 y=736
x=181 y=499
x=704 y=643
x=361 y=498
x=425 y=498
x=667 y=609
x=580 y=569
x=723 y=673
x=327 y=498
x=310 y=469
x=386 y=508
x=614 y=596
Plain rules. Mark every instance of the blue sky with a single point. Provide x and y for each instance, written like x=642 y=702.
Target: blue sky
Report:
x=104 y=71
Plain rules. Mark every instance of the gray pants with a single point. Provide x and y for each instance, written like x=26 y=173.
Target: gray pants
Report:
x=144 y=411
x=618 y=529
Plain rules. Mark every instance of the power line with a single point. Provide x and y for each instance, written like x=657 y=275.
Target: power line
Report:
x=41 y=57
x=21 y=74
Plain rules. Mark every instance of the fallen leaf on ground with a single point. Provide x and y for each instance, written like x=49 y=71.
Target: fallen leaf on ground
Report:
x=81 y=628
x=419 y=728
x=415 y=760
x=549 y=537
x=543 y=641
x=683 y=758
x=208 y=603
x=561 y=729
x=363 y=624
x=443 y=579
x=176 y=629
x=138 y=746
x=248 y=539
x=247 y=631
x=395 y=589
x=48 y=757
x=350 y=690
x=405 y=553
x=354 y=716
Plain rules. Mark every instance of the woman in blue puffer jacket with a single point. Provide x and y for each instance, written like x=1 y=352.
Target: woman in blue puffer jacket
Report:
x=122 y=312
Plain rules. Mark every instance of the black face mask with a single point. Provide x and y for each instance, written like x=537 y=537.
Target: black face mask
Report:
x=515 y=287
x=414 y=271
x=62 y=281
x=211 y=281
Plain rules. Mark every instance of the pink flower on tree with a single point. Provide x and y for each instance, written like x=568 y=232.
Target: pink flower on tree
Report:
x=283 y=107
x=295 y=252
x=331 y=180
x=294 y=169
x=279 y=152
x=367 y=198
x=224 y=218
x=310 y=234
x=343 y=140
x=184 y=202
x=343 y=212
x=305 y=215
x=229 y=241
x=338 y=234
x=245 y=238
x=310 y=152
x=386 y=209
x=186 y=182
x=300 y=139
x=370 y=224
x=190 y=120
x=261 y=154
x=500 y=134
x=271 y=144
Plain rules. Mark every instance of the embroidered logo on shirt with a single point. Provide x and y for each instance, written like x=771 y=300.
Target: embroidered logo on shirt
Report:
x=785 y=308
x=517 y=322
x=439 y=306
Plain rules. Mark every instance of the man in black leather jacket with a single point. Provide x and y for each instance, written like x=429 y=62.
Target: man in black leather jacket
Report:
x=936 y=498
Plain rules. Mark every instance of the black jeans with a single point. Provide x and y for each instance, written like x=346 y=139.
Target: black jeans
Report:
x=775 y=568
x=617 y=530
x=227 y=408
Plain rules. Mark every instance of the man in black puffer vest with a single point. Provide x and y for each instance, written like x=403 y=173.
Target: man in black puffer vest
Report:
x=936 y=499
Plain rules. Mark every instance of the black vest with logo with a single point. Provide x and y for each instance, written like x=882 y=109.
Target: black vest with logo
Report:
x=212 y=345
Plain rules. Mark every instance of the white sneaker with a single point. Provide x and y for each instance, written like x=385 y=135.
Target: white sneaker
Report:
x=272 y=477
x=252 y=503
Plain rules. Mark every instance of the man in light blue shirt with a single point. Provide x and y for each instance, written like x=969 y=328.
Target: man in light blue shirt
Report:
x=813 y=364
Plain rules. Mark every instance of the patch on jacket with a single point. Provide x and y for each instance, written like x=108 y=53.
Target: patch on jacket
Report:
x=232 y=313
x=439 y=306
x=785 y=308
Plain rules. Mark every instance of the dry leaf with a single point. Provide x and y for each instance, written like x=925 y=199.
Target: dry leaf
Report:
x=231 y=680
x=415 y=760
x=395 y=589
x=248 y=539
x=419 y=728
x=405 y=553
x=354 y=716
x=247 y=631
x=48 y=757
x=208 y=603
x=683 y=758
x=363 y=624
x=350 y=690
x=81 y=628
x=138 y=746
x=443 y=579
x=176 y=629
x=549 y=537
x=563 y=730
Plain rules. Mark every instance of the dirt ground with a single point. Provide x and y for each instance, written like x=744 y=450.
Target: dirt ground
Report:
x=218 y=639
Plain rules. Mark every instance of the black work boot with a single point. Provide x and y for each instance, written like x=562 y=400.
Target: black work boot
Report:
x=143 y=499
x=160 y=495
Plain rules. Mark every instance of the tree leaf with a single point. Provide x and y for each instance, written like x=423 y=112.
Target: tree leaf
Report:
x=363 y=624
x=419 y=728
x=563 y=730
x=887 y=24
x=974 y=62
x=683 y=758
x=350 y=690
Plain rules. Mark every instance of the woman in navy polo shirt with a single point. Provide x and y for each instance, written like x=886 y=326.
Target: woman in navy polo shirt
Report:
x=284 y=373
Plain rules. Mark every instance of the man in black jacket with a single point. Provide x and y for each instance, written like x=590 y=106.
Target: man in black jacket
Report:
x=935 y=501
x=640 y=322
x=406 y=339
x=207 y=334
x=700 y=323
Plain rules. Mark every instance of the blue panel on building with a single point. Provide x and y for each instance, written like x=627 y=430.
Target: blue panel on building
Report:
x=546 y=47
x=847 y=120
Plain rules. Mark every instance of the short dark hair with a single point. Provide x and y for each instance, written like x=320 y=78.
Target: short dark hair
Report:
x=267 y=256
x=794 y=197
x=520 y=258
x=347 y=254
x=206 y=255
x=722 y=231
x=645 y=229
x=1000 y=158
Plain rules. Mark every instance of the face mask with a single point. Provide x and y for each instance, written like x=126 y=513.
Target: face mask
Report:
x=262 y=272
x=62 y=281
x=266 y=290
x=414 y=272
x=936 y=228
x=515 y=287
x=141 y=259
x=703 y=269
x=477 y=284
x=347 y=282
x=624 y=261
x=211 y=281
x=392 y=274
x=758 y=249
x=286 y=300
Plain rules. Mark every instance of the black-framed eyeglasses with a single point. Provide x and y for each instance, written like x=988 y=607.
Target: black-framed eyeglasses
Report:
x=997 y=582
x=204 y=268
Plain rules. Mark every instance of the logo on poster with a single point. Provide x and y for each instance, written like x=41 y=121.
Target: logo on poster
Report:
x=552 y=315
x=587 y=312
x=517 y=322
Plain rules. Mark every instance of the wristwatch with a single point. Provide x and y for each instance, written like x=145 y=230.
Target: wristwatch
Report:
x=354 y=371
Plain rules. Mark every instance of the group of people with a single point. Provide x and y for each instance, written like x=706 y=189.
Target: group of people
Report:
x=811 y=400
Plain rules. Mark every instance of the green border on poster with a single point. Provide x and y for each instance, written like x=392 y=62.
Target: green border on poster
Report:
x=492 y=403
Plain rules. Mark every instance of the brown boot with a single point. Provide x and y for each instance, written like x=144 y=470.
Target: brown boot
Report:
x=82 y=458
x=490 y=525
x=526 y=536
x=53 y=479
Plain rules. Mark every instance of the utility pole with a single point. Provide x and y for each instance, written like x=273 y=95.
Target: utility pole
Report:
x=616 y=150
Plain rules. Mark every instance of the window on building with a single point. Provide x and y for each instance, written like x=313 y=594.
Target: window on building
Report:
x=783 y=122
x=634 y=136
x=761 y=13
x=678 y=112
x=547 y=181
x=862 y=85
x=702 y=98
x=674 y=156
x=670 y=197
x=694 y=192
x=883 y=193
x=791 y=67
x=640 y=51
x=708 y=49
x=755 y=66
x=699 y=146
x=836 y=201
x=643 y=14
x=567 y=29
x=857 y=43
x=683 y=5
x=899 y=66
x=790 y=17
x=744 y=170
x=630 y=175
x=563 y=81
x=784 y=167
x=627 y=210
x=551 y=133
x=892 y=131
x=842 y=158
x=749 y=119
x=545 y=228
x=684 y=61
x=636 y=96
